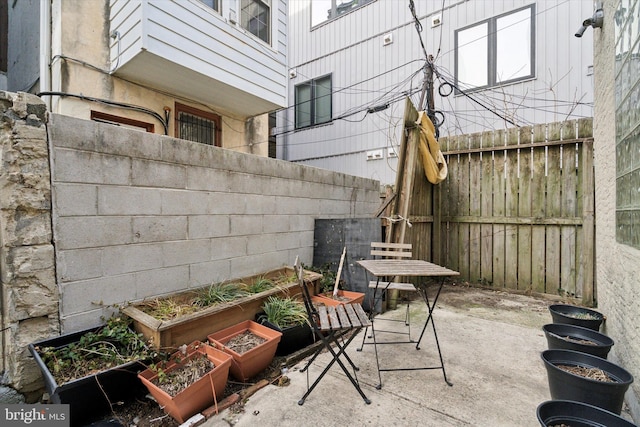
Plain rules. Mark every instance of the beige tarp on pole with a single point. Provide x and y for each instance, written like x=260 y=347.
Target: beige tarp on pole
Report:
x=435 y=167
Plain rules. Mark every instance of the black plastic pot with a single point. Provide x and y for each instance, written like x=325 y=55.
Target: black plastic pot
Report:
x=565 y=385
x=566 y=314
x=577 y=414
x=89 y=397
x=563 y=337
x=293 y=338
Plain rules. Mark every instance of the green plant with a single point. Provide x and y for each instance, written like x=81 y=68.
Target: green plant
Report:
x=284 y=312
x=328 y=276
x=259 y=285
x=167 y=309
x=111 y=345
x=219 y=293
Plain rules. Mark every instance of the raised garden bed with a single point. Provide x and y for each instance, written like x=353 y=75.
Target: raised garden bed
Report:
x=197 y=325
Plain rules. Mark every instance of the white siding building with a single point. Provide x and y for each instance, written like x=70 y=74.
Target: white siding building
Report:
x=502 y=63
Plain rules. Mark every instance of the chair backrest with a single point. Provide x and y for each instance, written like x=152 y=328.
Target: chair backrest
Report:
x=391 y=250
x=306 y=297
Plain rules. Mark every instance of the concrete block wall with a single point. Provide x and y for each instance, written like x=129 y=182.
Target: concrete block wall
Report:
x=137 y=215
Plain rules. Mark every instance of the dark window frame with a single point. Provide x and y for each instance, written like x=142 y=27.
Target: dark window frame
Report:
x=99 y=116
x=492 y=80
x=207 y=115
x=312 y=100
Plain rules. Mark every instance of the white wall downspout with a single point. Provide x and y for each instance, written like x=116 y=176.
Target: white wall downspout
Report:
x=45 y=50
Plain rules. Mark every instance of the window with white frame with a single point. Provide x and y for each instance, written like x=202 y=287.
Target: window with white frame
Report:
x=313 y=102
x=496 y=51
x=255 y=17
x=326 y=10
x=213 y=4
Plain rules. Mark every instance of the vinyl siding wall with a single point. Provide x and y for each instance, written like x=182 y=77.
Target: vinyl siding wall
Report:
x=367 y=73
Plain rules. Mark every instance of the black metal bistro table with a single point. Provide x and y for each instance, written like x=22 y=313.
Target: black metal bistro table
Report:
x=391 y=268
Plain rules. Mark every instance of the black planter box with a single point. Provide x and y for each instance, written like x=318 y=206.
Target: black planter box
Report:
x=564 y=385
x=557 y=333
x=293 y=338
x=86 y=396
x=567 y=412
x=565 y=314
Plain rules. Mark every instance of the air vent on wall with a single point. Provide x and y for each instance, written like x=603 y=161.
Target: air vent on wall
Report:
x=387 y=39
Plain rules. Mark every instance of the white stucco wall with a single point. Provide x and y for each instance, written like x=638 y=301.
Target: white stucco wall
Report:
x=617 y=265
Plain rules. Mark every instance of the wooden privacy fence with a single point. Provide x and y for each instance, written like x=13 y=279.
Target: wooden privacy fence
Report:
x=515 y=212
x=518 y=208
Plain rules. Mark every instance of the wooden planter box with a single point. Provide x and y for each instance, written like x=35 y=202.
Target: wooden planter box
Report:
x=166 y=334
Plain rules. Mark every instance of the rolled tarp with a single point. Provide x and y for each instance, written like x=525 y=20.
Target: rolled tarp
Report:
x=435 y=167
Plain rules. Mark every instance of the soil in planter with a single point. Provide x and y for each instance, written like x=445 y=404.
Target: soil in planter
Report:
x=244 y=342
x=180 y=378
x=338 y=298
x=582 y=316
x=579 y=340
x=590 y=373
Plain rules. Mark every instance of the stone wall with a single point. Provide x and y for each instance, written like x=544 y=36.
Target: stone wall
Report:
x=27 y=272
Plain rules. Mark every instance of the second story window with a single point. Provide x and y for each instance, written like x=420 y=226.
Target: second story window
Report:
x=213 y=4
x=326 y=10
x=255 y=17
x=313 y=102
x=198 y=126
x=496 y=51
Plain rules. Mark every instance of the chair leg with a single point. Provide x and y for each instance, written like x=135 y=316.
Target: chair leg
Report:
x=336 y=358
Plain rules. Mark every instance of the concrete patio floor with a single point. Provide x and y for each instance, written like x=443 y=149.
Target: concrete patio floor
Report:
x=491 y=343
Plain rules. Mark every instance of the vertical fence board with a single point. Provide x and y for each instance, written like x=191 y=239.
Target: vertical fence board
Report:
x=524 y=210
x=475 y=210
x=453 y=227
x=486 y=209
x=568 y=233
x=511 y=231
x=463 y=206
x=553 y=210
x=538 y=232
x=587 y=260
x=499 y=189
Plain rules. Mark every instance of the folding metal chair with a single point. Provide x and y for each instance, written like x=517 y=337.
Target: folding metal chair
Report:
x=328 y=322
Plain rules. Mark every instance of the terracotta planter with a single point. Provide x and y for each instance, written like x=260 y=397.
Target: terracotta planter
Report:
x=343 y=297
x=196 y=326
x=88 y=397
x=198 y=396
x=248 y=364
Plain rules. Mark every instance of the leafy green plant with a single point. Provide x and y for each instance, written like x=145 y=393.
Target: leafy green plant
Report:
x=261 y=284
x=284 y=312
x=219 y=293
x=111 y=345
x=328 y=276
